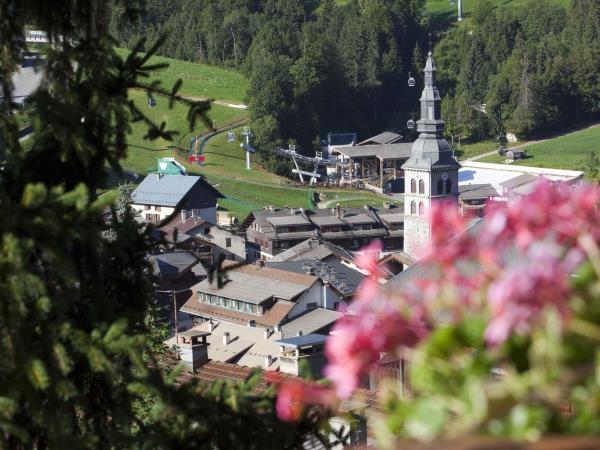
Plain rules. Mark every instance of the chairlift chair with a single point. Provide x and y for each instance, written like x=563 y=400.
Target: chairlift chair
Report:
x=230 y=136
x=151 y=102
x=410 y=124
x=411 y=80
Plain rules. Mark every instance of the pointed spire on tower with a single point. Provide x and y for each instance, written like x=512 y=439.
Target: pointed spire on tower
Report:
x=430 y=149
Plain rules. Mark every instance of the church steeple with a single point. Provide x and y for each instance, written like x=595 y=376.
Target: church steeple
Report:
x=431 y=103
x=431 y=150
x=431 y=172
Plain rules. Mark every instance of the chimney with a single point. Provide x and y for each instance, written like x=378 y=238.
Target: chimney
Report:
x=226 y=338
x=268 y=361
x=386 y=205
x=211 y=326
x=338 y=211
x=292 y=211
x=277 y=328
x=192 y=349
x=252 y=323
x=299 y=333
x=267 y=333
x=182 y=215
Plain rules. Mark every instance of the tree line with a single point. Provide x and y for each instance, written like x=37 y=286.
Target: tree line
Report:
x=313 y=66
x=324 y=65
x=534 y=67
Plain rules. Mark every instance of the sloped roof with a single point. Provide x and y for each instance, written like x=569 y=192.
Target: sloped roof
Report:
x=387 y=137
x=303 y=340
x=270 y=318
x=312 y=248
x=476 y=191
x=381 y=151
x=255 y=284
x=164 y=190
x=350 y=278
x=310 y=322
x=520 y=180
x=173 y=264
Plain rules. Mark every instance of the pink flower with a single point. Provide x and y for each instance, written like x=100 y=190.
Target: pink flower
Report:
x=551 y=209
x=520 y=295
x=295 y=395
x=369 y=257
x=357 y=341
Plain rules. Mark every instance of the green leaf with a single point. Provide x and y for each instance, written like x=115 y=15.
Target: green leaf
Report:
x=37 y=374
x=426 y=420
x=34 y=195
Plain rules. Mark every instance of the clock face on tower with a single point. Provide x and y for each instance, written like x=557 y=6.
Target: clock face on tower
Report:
x=444 y=176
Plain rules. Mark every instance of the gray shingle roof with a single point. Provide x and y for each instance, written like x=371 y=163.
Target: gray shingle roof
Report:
x=254 y=284
x=476 y=191
x=381 y=151
x=310 y=322
x=171 y=265
x=165 y=190
x=312 y=248
x=387 y=137
x=341 y=277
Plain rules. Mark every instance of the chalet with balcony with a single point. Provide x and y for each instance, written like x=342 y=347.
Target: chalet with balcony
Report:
x=278 y=230
x=260 y=296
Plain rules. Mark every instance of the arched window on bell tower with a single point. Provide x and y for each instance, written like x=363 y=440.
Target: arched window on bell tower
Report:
x=440 y=186
x=421 y=209
x=413 y=186
x=421 y=187
x=448 y=186
x=413 y=208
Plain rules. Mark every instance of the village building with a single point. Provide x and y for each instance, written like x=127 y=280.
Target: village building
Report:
x=214 y=242
x=161 y=195
x=261 y=296
x=277 y=230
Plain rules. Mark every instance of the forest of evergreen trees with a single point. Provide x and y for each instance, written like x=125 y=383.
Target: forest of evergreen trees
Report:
x=318 y=66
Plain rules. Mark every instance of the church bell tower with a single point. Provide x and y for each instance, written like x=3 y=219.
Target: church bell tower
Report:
x=431 y=172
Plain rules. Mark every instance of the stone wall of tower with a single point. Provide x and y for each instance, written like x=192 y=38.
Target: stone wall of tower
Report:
x=417 y=229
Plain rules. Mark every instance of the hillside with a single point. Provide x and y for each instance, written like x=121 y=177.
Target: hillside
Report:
x=444 y=12
x=570 y=151
x=225 y=161
x=200 y=80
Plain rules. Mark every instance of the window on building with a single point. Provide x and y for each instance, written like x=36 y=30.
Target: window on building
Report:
x=355 y=243
x=147 y=207
x=152 y=217
x=440 y=187
x=421 y=209
x=421 y=187
x=227 y=242
x=312 y=305
x=285 y=245
x=157 y=208
x=283 y=230
x=413 y=186
x=413 y=208
x=448 y=186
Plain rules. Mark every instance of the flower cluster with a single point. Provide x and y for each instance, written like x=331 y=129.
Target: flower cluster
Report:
x=510 y=269
x=372 y=325
x=294 y=395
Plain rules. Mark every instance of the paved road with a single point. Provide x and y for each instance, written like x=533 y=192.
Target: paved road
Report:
x=217 y=102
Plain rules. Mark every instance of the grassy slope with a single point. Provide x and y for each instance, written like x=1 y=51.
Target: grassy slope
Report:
x=442 y=12
x=200 y=79
x=225 y=162
x=565 y=152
